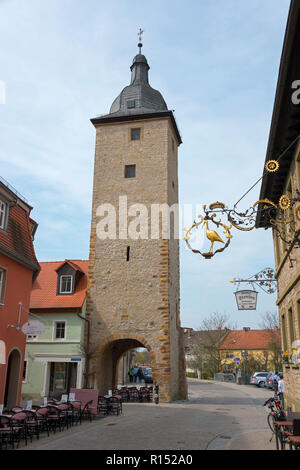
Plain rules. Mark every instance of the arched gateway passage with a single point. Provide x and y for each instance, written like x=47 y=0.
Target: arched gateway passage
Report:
x=107 y=357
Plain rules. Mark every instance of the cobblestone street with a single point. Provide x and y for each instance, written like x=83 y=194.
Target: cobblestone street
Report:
x=217 y=416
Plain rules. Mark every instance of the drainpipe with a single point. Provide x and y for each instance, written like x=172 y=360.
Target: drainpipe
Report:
x=87 y=355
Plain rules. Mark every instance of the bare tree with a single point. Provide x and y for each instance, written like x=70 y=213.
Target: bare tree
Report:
x=271 y=322
x=204 y=351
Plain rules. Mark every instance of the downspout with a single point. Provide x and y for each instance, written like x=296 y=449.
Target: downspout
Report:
x=87 y=354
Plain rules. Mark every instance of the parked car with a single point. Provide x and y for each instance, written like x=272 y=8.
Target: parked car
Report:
x=270 y=380
x=148 y=375
x=259 y=378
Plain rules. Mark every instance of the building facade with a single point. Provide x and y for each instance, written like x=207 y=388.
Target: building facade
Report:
x=282 y=186
x=262 y=346
x=55 y=359
x=18 y=270
x=133 y=286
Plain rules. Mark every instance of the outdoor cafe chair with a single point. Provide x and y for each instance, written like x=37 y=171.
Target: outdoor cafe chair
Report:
x=103 y=405
x=76 y=409
x=133 y=394
x=5 y=432
x=66 y=414
x=41 y=416
x=31 y=424
x=53 y=418
x=124 y=394
x=87 y=410
x=115 y=405
x=18 y=426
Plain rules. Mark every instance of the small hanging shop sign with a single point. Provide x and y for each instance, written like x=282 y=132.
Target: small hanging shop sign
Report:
x=246 y=299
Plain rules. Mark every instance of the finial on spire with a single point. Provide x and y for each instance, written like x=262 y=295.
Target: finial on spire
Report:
x=140 y=45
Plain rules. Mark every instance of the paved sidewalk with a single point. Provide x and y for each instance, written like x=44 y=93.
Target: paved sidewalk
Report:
x=217 y=416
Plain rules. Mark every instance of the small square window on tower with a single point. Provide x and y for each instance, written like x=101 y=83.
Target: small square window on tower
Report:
x=129 y=171
x=135 y=134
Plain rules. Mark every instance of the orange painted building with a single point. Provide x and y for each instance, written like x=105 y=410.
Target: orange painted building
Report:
x=18 y=269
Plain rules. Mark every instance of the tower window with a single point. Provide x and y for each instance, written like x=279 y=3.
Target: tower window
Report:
x=129 y=171
x=130 y=104
x=135 y=134
x=128 y=253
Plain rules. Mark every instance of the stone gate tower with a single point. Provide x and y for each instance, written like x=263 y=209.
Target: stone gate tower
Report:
x=133 y=285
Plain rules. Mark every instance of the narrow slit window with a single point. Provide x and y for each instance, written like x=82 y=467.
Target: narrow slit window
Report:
x=128 y=253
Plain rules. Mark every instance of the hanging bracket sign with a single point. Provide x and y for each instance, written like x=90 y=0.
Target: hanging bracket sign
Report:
x=33 y=328
x=246 y=299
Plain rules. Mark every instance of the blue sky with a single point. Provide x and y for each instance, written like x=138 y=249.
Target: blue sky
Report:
x=216 y=64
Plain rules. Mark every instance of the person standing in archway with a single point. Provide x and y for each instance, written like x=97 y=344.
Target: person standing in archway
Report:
x=140 y=375
x=130 y=373
x=135 y=371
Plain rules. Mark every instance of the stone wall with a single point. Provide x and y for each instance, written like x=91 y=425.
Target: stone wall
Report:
x=288 y=276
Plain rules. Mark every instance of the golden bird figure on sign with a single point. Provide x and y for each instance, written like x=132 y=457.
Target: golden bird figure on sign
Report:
x=212 y=236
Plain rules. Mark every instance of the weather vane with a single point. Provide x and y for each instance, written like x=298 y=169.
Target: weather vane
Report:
x=141 y=31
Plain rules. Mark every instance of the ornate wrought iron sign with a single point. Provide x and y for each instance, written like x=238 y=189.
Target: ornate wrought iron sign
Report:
x=284 y=217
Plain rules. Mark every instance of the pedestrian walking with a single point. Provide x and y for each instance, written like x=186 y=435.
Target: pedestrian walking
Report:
x=140 y=374
x=135 y=370
x=275 y=382
x=130 y=373
x=281 y=390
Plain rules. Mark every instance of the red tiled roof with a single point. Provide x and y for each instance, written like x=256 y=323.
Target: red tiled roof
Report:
x=253 y=339
x=43 y=294
x=17 y=241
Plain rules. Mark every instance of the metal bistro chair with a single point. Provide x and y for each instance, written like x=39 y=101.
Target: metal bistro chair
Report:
x=115 y=405
x=66 y=414
x=31 y=424
x=41 y=416
x=87 y=410
x=143 y=394
x=5 y=432
x=18 y=426
x=103 y=405
x=124 y=394
x=134 y=394
x=53 y=418
x=77 y=408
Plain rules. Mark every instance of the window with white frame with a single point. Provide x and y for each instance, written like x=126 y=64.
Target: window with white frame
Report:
x=2 y=284
x=66 y=284
x=60 y=330
x=3 y=207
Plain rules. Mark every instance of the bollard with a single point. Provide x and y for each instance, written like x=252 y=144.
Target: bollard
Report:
x=156 y=394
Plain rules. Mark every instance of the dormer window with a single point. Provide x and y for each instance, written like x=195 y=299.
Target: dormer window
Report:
x=130 y=104
x=68 y=276
x=66 y=284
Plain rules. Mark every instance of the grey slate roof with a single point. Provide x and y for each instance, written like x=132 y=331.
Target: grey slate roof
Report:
x=145 y=98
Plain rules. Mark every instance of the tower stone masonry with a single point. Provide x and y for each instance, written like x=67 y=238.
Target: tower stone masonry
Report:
x=133 y=284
